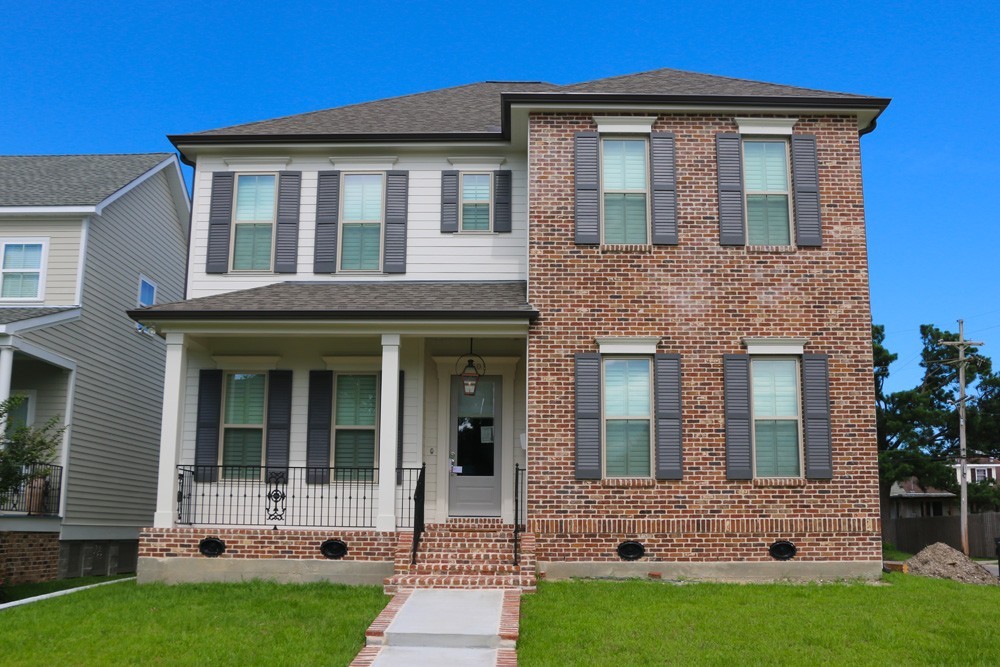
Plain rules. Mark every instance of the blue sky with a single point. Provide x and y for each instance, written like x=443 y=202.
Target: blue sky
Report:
x=117 y=77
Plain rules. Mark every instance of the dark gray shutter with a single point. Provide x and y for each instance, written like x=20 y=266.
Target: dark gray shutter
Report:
x=394 y=245
x=206 y=439
x=279 y=421
x=399 y=433
x=320 y=414
x=669 y=456
x=805 y=181
x=664 y=167
x=327 y=213
x=220 y=219
x=501 y=201
x=736 y=372
x=286 y=234
x=728 y=155
x=449 y=201
x=588 y=416
x=816 y=413
x=587 y=167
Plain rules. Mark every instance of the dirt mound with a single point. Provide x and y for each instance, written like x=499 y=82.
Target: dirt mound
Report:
x=942 y=562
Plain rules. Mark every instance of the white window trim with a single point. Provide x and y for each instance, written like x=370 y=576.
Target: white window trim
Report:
x=42 y=266
x=364 y=162
x=650 y=418
x=31 y=396
x=766 y=126
x=477 y=163
x=787 y=192
x=138 y=297
x=624 y=124
x=461 y=202
x=783 y=346
x=341 y=223
x=633 y=345
x=645 y=191
x=333 y=420
x=224 y=425
x=233 y=224
x=798 y=418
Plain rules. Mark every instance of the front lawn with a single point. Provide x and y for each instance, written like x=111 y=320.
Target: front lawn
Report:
x=21 y=591
x=908 y=620
x=205 y=624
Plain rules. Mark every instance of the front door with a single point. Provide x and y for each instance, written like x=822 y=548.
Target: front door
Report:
x=474 y=450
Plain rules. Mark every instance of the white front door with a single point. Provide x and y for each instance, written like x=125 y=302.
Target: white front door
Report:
x=474 y=449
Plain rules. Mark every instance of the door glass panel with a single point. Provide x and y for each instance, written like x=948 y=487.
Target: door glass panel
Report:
x=476 y=433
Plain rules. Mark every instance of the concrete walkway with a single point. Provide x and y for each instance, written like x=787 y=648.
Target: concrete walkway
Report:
x=435 y=627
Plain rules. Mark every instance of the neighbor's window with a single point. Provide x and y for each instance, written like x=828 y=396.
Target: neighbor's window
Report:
x=21 y=270
x=361 y=222
x=624 y=184
x=147 y=292
x=765 y=170
x=243 y=425
x=475 y=209
x=355 y=415
x=776 y=424
x=254 y=222
x=627 y=417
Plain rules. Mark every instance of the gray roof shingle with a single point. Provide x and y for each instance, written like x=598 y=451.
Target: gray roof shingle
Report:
x=343 y=300
x=69 y=180
x=11 y=315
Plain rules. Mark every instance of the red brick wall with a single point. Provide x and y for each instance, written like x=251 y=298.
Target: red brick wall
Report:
x=27 y=558
x=701 y=299
x=365 y=545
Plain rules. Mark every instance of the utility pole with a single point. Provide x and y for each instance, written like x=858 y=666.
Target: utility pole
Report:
x=961 y=344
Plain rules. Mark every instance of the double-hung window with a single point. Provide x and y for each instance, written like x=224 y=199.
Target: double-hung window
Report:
x=625 y=190
x=253 y=222
x=765 y=170
x=627 y=416
x=355 y=412
x=147 y=292
x=362 y=221
x=21 y=276
x=476 y=209
x=776 y=417
x=243 y=425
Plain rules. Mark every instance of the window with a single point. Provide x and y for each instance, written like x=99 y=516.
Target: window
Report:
x=627 y=416
x=253 y=222
x=243 y=425
x=475 y=211
x=355 y=417
x=23 y=412
x=361 y=222
x=21 y=270
x=624 y=186
x=979 y=474
x=765 y=170
x=147 y=292
x=775 y=404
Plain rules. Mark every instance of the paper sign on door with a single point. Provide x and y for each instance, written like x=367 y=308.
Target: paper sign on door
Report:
x=457 y=470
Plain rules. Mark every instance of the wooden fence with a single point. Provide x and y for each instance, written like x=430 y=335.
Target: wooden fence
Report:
x=912 y=535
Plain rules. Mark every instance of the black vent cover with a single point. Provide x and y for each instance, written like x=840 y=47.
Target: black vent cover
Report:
x=212 y=547
x=333 y=549
x=631 y=550
x=782 y=550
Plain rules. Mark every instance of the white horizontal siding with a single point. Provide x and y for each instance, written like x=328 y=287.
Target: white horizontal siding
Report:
x=63 y=254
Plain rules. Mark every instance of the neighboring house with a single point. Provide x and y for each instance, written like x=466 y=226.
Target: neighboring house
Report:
x=83 y=239
x=661 y=279
x=907 y=499
x=978 y=469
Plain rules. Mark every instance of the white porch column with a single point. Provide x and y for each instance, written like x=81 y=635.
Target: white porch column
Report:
x=6 y=368
x=170 y=430
x=388 y=425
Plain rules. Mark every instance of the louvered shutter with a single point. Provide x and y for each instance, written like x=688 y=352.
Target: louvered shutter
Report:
x=286 y=234
x=394 y=246
x=730 y=174
x=502 y=201
x=669 y=453
x=588 y=416
x=327 y=214
x=736 y=373
x=664 y=167
x=279 y=421
x=449 y=201
x=816 y=416
x=220 y=218
x=805 y=182
x=318 y=421
x=206 y=439
x=587 y=208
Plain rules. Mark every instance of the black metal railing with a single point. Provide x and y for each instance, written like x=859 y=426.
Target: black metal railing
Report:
x=36 y=493
x=407 y=481
x=418 y=513
x=519 y=518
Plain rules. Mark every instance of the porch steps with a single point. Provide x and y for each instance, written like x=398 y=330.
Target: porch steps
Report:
x=464 y=553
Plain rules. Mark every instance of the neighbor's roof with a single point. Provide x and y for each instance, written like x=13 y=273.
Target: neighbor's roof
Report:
x=910 y=488
x=11 y=315
x=479 y=109
x=69 y=180
x=353 y=300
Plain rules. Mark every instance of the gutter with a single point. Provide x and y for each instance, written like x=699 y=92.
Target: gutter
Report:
x=299 y=315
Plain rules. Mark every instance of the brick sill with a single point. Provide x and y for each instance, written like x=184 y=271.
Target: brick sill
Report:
x=780 y=481
x=635 y=248
x=628 y=483
x=770 y=249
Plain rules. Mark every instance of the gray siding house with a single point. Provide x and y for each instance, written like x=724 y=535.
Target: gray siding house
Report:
x=84 y=238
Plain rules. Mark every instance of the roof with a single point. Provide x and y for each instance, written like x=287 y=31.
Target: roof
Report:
x=11 y=315
x=352 y=300
x=69 y=180
x=479 y=109
x=910 y=488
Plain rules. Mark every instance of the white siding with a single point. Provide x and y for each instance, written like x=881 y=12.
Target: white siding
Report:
x=63 y=254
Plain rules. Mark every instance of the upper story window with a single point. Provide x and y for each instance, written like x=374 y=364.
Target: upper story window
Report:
x=476 y=209
x=624 y=186
x=147 y=292
x=253 y=222
x=765 y=171
x=243 y=422
x=21 y=270
x=776 y=423
x=363 y=206
x=627 y=391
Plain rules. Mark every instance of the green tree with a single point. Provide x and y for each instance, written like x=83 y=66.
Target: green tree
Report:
x=23 y=448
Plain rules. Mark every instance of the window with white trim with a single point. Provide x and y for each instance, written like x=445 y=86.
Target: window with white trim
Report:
x=361 y=221
x=355 y=425
x=767 y=191
x=253 y=222
x=243 y=420
x=21 y=270
x=22 y=409
x=476 y=210
x=147 y=292
x=624 y=190
x=775 y=402
x=627 y=416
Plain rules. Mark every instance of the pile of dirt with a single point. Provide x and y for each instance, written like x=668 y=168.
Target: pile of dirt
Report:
x=942 y=562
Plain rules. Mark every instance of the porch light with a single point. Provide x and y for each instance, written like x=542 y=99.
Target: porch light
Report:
x=474 y=369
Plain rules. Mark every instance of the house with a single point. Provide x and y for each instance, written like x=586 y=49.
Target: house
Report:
x=650 y=292
x=978 y=469
x=83 y=239
x=908 y=499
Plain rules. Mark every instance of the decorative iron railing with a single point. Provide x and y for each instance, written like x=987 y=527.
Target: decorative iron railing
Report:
x=418 y=513
x=37 y=491
x=519 y=513
x=409 y=482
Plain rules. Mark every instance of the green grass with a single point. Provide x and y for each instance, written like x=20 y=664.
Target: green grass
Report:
x=21 y=591
x=890 y=552
x=908 y=621
x=195 y=624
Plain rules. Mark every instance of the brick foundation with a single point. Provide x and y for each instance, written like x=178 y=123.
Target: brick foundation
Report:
x=27 y=558
x=248 y=543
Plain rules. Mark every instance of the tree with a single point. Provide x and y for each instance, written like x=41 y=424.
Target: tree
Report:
x=23 y=449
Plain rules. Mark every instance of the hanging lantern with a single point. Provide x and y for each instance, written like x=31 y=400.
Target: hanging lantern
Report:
x=475 y=368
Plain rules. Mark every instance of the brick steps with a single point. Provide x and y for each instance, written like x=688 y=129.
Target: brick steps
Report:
x=399 y=582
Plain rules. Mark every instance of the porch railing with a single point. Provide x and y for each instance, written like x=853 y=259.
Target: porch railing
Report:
x=418 y=514
x=36 y=493
x=519 y=518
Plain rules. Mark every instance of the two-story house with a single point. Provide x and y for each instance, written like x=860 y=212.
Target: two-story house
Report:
x=650 y=291
x=83 y=239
